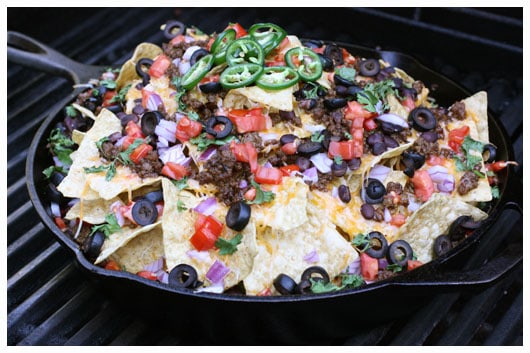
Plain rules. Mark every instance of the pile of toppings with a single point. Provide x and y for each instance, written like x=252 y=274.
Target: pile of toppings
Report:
x=203 y=154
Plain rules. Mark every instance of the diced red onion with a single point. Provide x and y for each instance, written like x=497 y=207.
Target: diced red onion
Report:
x=444 y=181
x=201 y=256
x=447 y=185
x=154 y=101
x=383 y=263
x=207 y=207
x=174 y=154
x=243 y=184
x=322 y=162
x=55 y=209
x=354 y=268
x=167 y=129
x=312 y=257
x=209 y=153
x=116 y=209
x=393 y=119
x=176 y=62
x=189 y=52
x=379 y=172
x=155 y=266
x=162 y=143
x=217 y=272
x=184 y=66
x=162 y=276
x=267 y=165
x=119 y=143
x=179 y=116
x=310 y=175
x=388 y=216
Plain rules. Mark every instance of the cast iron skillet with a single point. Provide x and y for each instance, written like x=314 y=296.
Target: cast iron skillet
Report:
x=281 y=319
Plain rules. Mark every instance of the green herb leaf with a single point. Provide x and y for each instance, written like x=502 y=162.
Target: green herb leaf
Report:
x=228 y=247
x=337 y=160
x=346 y=73
x=181 y=183
x=318 y=286
x=373 y=96
x=61 y=146
x=120 y=97
x=49 y=171
x=261 y=196
x=109 y=84
x=317 y=136
x=125 y=156
x=351 y=281
x=471 y=159
x=111 y=226
x=394 y=268
x=312 y=93
x=192 y=115
x=203 y=142
x=71 y=111
x=110 y=168
x=495 y=192
x=100 y=142
x=361 y=242
x=181 y=206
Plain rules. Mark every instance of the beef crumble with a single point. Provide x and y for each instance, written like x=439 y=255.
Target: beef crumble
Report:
x=468 y=182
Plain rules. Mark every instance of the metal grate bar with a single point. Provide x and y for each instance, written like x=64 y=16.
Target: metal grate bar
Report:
x=26 y=247
x=510 y=324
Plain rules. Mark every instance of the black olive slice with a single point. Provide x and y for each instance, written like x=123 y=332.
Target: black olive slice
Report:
x=334 y=53
x=344 y=193
x=399 y=253
x=287 y=138
x=489 y=153
x=93 y=244
x=309 y=147
x=353 y=90
x=457 y=231
x=56 y=178
x=238 y=216
x=417 y=159
x=183 y=276
x=422 y=119
x=284 y=284
x=374 y=191
x=169 y=30
x=354 y=163
x=312 y=43
x=197 y=55
x=390 y=128
x=308 y=104
x=369 y=67
x=54 y=194
x=154 y=196
x=339 y=80
x=211 y=87
x=316 y=273
x=335 y=103
x=470 y=223
x=442 y=244
x=140 y=71
x=149 y=122
x=219 y=120
x=125 y=118
x=409 y=167
x=378 y=245
x=144 y=212
x=115 y=108
x=304 y=287
x=327 y=63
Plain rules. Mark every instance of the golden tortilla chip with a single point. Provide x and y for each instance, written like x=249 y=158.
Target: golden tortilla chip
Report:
x=91 y=211
x=84 y=111
x=432 y=219
x=128 y=70
x=477 y=110
x=252 y=96
x=77 y=137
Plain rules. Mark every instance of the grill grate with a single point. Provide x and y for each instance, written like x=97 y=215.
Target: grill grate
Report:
x=50 y=302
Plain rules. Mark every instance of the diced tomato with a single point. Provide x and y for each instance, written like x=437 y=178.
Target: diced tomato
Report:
x=369 y=124
x=145 y=97
x=288 y=169
x=355 y=109
x=457 y=136
x=210 y=43
x=250 y=195
x=245 y=152
x=174 y=170
x=187 y=128
x=369 y=267
x=127 y=142
x=210 y=78
x=147 y=274
x=412 y=264
x=60 y=223
x=240 y=31
x=112 y=265
x=289 y=148
x=159 y=66
x=398 y=220
x=134 y=130
x=140 y=152
x=344 y=149
x=423 y=185
x=265 y=293
x=107 y=97
x=203 y=239
x=408 y=103
x=348 y=58
x=209 y=222
x=178 y=39
x=268 y=175
x=435 y=160
x=248 y=120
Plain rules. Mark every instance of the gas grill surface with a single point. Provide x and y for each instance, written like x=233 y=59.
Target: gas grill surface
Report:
x=50 y=302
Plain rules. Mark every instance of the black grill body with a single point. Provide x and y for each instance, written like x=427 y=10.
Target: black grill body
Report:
x=49 y=299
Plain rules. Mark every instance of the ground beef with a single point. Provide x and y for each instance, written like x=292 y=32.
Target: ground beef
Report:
x=458 y=111
x=441 y=114
x=425 y=148
x=226 y=173
x=149 y=166
x=174 y=51
x=322 y=183
x=468 y=182
x=396 y=187
x=333 y=120
x=109 y=151
x=384 y=274
x=254 y=138
x=379 y=214
x=447 y=153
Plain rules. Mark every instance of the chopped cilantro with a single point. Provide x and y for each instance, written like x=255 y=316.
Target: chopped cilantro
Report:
x=203 y=142
x=120 y=97
x=351 y=281
x=181 y=206
x=373 y=96
x=110 y=169
x=313 y=92
x=317 y=136
x=361 y=242
x=49 y=171
x=193 y=115
x=347 y=281
x=495 y=192
x=125 y=156
x=471 y=159
x=394 y=268
x=109 y=84
x=181 y=183
x=228 y=247
x=111 y=225
x=337 y=160
x=319 y=286
x=348 y=135
x=100 y=142
x=346 y=73
x=61 y=145
x=261 y=196
x=71 y=111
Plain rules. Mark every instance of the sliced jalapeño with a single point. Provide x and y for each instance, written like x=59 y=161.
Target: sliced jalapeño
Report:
x=268 y=35
x=244 y=50
x=240 y=75
x=306 y=62
x=277 y=77
x=220 y=45
x=197 y=72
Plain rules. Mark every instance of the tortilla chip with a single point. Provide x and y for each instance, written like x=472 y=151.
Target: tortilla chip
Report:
x=396 y=107
x=477 y=110
x=124 y=180
x=128 y=70
x=91 y=211
x=144 y=249
x=77 y=137
x=427 y=223
x=119 y=239
x=252 y=96
x=84 y=111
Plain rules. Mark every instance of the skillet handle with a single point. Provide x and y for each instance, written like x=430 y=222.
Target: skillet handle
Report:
x=29 y=52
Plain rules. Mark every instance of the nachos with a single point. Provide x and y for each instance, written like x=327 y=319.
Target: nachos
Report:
x=250 y=161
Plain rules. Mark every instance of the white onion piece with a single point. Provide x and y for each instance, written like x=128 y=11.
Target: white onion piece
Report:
x=379 y=172
x=55 y=209
x=155 y=266
x=393 y=119
x=201 y=256
x=310 y=175
x=217 y=272
x=312 y=257
x=388 y=216
x=189 y=52
x=335 y=191
x=116 y=209
x=176 y=62
x=444 y=181
x=184 y=66
x=207 y=207
x=322 y=162
x=447 y=185
x=154 y=101
x=268 y=136
x=161 y=142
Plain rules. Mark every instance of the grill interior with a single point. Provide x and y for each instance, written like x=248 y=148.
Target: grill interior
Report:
x=50 y=302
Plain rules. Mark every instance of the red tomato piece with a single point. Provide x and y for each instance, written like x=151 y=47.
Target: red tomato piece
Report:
x=369 y=267
x=159 y=66
x=203 y=239
x=245 y=152
x=289 y=148
x=250 y=195
x=140 y=152
x=435 y=160
x=174 y=170
x=178 y=39
x=355 y=109
x=112 y=265
x=147 y=274
x=423 y=185
x=288 y=169
x=369 y=124
x=211 y=78
x=107 y=97
x=187 y=128
x=412 y=264
x=344 y=149
x=127 y=142
x=457 y=136
x=240 y=31
x=398 y=220
x=134 y=130
x=209 y=222
x=60 y=223
x=248 y=120
x=268 y=176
